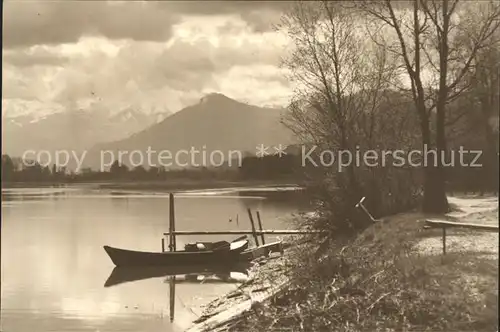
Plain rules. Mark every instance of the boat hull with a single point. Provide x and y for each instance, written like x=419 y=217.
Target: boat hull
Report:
x=123 y=257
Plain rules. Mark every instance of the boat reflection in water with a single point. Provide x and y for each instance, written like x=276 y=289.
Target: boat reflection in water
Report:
x=188 y=273
x=200 y=274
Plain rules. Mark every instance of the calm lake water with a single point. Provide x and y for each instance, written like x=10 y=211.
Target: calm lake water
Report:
x=54 y=267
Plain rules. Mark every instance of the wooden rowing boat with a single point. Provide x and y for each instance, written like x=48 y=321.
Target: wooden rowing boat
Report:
x=221 y=255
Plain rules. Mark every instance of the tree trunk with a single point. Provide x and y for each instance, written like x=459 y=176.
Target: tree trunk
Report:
x=436 y=175
x=435 y=200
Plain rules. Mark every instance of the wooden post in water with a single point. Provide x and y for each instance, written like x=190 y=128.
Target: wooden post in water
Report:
x=162 y=244
x=172 y=298
x=260 y=228
x=256 y=239
x=172 y=244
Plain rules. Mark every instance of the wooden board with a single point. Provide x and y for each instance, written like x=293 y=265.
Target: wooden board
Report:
x=436 y=223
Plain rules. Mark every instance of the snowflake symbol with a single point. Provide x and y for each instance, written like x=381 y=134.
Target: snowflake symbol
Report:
x=280 y=150
x=262 y=150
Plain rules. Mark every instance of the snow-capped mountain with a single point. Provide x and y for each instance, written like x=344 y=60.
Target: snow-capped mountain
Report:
x=21 y=111
x=71 y=130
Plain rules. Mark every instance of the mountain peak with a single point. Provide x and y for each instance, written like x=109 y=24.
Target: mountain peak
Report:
x=214 y=98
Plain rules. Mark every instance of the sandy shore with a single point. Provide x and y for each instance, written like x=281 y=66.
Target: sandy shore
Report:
x=472 y=210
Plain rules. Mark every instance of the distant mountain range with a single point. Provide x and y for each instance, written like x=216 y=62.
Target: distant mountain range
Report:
x=71 y=130
x=215 y=123
x=218 y=125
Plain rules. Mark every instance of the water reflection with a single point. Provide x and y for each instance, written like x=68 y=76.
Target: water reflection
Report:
x=194 y=274
x=191 y=273
x=53 y=266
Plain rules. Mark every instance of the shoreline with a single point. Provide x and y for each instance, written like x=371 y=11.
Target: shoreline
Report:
x=267 y=277
x=163 y=185
x=254 y=303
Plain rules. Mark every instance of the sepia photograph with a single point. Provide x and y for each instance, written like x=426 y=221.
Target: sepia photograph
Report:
x=249 y=166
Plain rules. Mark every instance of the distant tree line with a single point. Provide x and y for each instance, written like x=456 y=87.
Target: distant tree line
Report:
x=252 y=168
x=15 y=170
x=273 y=166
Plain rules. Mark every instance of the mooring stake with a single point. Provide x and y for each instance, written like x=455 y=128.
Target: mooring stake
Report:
x=172 y=299
x=172 y=244
x=360 y=205
x=252 y=223
x=260 y=228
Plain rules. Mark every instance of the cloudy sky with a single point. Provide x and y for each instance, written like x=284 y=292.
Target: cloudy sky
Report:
x=151 y=55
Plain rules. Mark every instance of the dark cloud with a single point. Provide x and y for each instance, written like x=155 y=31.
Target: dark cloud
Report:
x=55 y=22
x=204 y=55
x=226 y=7
x=28 y=23
x=261 y=16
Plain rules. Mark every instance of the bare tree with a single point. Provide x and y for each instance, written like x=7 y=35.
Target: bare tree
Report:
x=436 y=48
x=342 y=102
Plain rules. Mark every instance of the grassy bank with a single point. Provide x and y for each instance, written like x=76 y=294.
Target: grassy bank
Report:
x=391 y=278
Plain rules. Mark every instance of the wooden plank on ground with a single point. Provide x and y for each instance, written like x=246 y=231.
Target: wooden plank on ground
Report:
x=436 y=223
